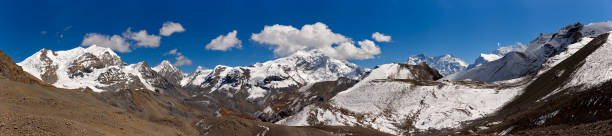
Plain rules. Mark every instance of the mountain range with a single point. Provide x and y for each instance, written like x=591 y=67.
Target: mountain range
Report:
x=557 y=81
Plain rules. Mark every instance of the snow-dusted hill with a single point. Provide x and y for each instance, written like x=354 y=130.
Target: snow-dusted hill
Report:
x=445 y=64
x=94 y=67
x=517 y=64
x=395 y=98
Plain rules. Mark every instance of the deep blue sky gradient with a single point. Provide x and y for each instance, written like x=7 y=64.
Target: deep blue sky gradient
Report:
x=463 y=28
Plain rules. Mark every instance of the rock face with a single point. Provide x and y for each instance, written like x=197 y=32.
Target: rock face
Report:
x=445 y=64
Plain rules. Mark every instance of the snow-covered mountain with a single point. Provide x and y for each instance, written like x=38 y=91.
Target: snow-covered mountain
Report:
x=445 y=64
x=518 y=64
x=173 y=74
x=496 y=54
x=257 y=80
x=94 y=67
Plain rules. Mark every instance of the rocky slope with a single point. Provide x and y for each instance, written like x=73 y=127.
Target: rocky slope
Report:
x=567 y=93
x=10 y=71
x=445 y=64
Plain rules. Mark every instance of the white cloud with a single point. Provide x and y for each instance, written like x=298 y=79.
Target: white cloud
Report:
x=381 y=37
x=171 y=52
x=170 y=27
x=224 y=43
x=142 y=38
x=349 y=51
x=180 y=60
x=114 y=42
x=287 y=40
x=119 y=43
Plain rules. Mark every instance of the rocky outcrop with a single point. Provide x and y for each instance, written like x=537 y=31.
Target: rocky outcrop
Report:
x=9 y=70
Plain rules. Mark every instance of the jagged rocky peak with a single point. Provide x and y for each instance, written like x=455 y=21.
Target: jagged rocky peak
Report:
x=173 y=74
x=548 y=45
x=445 y=64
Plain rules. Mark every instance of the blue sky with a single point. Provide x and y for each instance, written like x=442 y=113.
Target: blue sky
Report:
x=436 y=27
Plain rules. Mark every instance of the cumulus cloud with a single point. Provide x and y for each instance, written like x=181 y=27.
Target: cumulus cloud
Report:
x=114 y=42
x=224 y=43
x=171 y=27
x=349 y=51
x=142 y=38
x=286 y=40
x=121 y=43
x=180 y=60
x=381 y=37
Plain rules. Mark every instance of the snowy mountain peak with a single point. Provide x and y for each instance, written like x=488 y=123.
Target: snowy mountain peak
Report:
x=445 y=64
x=197 y=77
x=497 y=54
x=165 y=64
x=170 y=72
